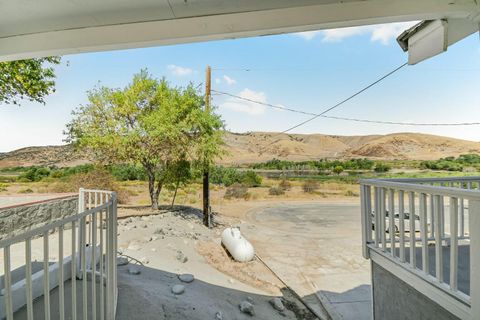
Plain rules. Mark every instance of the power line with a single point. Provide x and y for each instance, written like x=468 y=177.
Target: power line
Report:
x=347 y=99
x=344 y=118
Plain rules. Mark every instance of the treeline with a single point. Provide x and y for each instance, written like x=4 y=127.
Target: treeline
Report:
x=323 y=165
x=218 y=175
x=452 y=163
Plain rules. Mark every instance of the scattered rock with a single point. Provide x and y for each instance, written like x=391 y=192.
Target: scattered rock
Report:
x=153 y=249
x=159 y=231
x=122 y=261
x=186 y=277
x=250 y=299
x=144 y=260
x=277 y=304
x=219 y=315
x=154 y=238
x=231 y=281
x=134 y=246
x=181 y=257
x=178 y=289
x=147 y=239
x=247 y=308
x=133 y=269
x=145 y=226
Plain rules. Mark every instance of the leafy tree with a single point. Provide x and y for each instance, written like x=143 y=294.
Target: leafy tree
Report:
x=30 y=79
x=338 y=169
x=177 y=174
x=149 y=123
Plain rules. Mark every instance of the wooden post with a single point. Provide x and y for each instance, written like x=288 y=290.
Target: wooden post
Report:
x=206 y=187
x=474 y=228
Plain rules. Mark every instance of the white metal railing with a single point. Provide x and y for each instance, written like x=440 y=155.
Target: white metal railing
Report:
x=403 y=219
x=85 y=250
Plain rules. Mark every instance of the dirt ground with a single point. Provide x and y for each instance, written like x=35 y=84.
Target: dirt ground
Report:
x=168 y=243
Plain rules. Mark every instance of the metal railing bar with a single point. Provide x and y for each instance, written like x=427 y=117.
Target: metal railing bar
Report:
x=411 y=208
x=7 y=283
x=401 y=209
x=83 y=259
x=28 y=278
x=424 y=232
x=61 y=290
x=438 y=241
x=53 y=225
x=46 y=278
x=74 y=272
x=418 y=188
x=453 y=243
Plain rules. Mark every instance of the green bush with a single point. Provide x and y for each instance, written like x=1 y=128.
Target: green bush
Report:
x=128 y=172
x=338 y=169
x=382 y=167
x=251 y=179
x=3 y=186
x=35 y=174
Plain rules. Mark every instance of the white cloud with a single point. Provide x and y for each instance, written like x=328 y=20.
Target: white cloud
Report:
x=229 y=81
x=335 y=35
x=180 y=71
x=308 y=35
x=245 y=106
x=382 y=33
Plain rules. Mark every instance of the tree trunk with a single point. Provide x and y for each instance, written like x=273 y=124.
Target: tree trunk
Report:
x=151 y=190
x=175 y=193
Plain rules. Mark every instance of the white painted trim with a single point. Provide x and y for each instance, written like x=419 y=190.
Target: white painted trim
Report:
x=455 y=306
x=226 y=26
x=19 y=288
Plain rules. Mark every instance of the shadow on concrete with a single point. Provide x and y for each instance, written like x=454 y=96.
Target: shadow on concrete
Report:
x=148 y=295
x=352 y=304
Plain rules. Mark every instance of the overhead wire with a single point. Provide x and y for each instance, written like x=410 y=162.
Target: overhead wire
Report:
x=281 y=107
x=322 y=114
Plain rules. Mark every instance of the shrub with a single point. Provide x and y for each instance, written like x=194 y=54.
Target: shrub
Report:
x=225 y=176
x=382 y=167
x=3 y=186
x=285 y=185
x=276 y=191
x=27 y=190
x=310 y=186
x=338 y=169
x=35 y=174
x=251 y=179
x=351 y=193
x=230 y=176
x=237 y=191
x=128 y=172
x=96 y=179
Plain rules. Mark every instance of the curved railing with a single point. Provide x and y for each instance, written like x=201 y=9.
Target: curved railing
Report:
x=84 y=246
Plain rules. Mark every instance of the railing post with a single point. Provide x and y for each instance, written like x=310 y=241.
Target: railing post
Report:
x=366 y=222
x=111 y=257
x=474 y=228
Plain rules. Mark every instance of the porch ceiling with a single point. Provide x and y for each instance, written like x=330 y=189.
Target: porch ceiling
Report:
x=31 y=28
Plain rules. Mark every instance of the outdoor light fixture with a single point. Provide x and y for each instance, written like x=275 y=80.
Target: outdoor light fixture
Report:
x=432 y=37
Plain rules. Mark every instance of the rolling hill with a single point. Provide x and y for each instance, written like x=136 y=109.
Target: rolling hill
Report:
x=254 y=147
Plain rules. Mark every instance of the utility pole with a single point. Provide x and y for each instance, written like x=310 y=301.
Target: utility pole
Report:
x=206 y=188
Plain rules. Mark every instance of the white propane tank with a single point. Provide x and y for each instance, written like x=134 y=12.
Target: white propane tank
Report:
x=239 y=247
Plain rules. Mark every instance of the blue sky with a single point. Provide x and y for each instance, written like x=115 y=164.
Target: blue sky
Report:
x=309 y=71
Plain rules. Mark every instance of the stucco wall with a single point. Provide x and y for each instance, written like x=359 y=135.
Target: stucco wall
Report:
x=396 y=300
x=20 y=218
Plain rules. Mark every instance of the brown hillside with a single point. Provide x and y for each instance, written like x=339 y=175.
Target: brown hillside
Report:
x=263 y=146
